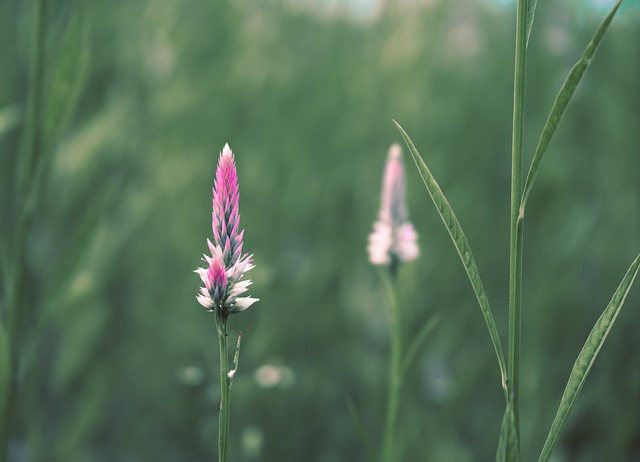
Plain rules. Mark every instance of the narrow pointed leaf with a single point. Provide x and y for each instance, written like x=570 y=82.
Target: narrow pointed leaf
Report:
x=562 y=101
x=586 y=358
x=67 y=77
x=462 y=246
x=531 y=12
x=419 y=339
x=236 y=359
x=66 y=81
x=508 y=444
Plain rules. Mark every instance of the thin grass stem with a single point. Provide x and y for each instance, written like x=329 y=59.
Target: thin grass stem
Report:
x=223 y=427
x=395 y=372
x=29 y=154
x=515 y=242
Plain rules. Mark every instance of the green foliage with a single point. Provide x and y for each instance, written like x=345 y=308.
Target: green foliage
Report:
x=562 y=100
x=67 y=76
x=587 y=356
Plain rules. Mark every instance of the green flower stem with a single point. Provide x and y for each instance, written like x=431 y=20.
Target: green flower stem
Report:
x=225 y=382
x=515 y=247
x=395 y=372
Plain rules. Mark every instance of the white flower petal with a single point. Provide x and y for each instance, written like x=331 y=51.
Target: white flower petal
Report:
x=380 y=241
x=240 y=267
x=202 y=272
x=239 y=288
x=242 y=303
x=205 y=301
x=406 y=243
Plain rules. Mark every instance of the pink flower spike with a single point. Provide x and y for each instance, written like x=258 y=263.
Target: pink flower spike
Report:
x=393 y=236
x=226 y=216
x=222 y=278
x=393 y=207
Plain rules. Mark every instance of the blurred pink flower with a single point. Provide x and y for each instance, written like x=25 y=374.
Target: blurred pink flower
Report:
x=226 y=265
x=393 y=236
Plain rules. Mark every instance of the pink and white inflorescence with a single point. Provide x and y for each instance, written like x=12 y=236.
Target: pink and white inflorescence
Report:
x=226 y=265
x=393 y=236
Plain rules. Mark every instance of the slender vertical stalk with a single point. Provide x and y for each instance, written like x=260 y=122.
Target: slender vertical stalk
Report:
x=515 y=250
x=395 y=373
x=30 y=152
x=223 y=427
x=33 y=128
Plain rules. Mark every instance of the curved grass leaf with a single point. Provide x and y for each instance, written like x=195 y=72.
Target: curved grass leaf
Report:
x=419 y=339
x=562 y=101
x=508 y=444
x=67 y=76
x=464 y=250
x=586 y=358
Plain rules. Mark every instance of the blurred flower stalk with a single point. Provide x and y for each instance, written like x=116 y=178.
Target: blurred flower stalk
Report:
x=223 y=278
x=392 y=242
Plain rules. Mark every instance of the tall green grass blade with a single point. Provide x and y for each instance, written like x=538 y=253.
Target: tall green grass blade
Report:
x=562 y=101
x=508 y=443
x=31 y=145
x=462 y=246
x=10 y=118
x=417 y=342
x=5 y=365
x=67 y=76
x=531 y=12
x=63 y=91
x=5 y=386
x=586 y=358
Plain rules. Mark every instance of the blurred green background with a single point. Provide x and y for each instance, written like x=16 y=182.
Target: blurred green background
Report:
x=119 y=362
